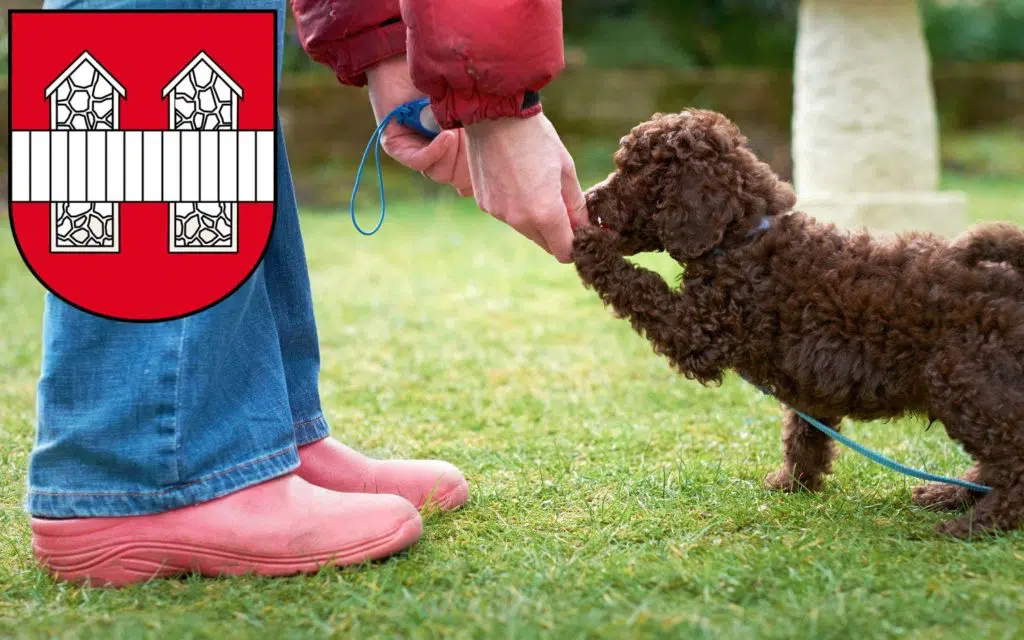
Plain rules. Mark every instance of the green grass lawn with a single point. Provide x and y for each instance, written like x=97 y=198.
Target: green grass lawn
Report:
x=610 y=497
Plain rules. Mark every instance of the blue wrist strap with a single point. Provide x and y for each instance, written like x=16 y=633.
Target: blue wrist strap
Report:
x=409 y=115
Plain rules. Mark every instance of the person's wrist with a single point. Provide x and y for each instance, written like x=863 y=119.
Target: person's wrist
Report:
x=490 y=127
x=385 y=68
x=482 y=128
x=389 y=85
x=529 y=110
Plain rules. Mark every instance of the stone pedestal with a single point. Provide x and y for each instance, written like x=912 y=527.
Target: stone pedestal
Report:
x=865 y=130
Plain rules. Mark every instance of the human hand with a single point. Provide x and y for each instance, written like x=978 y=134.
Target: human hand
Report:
x=523 y=176
x=442 y=159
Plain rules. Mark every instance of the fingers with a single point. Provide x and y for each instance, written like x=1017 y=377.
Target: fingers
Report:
x=529 y=229
x=452 y=168
x=554 y=227
x=541 y=214
x=558 y=221
x=415 y=151
x=520 y=220
x=522 y=223
x=461 y=179
x=572 y=196
x=442 y=159
x=523 y=175
x=547 y=226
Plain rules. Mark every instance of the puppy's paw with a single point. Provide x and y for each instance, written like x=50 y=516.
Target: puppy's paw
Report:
x=784 y=480
x=936 y=496
x=596 y=255
x=963 y=528
x=591 y=237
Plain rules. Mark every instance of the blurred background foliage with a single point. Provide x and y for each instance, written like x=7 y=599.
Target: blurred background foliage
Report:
x=752 y=33
x=733 y=33
x=627 y=59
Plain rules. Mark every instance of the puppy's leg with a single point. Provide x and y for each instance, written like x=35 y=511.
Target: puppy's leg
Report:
x=993 y=434
x=1000 y=510
x=666 y=317
x=937 y=496
x=977 y=395
x=807 y=455
x=633 y=292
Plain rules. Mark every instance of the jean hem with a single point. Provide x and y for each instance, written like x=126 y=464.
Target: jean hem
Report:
x=43 y=504
x=312 y=430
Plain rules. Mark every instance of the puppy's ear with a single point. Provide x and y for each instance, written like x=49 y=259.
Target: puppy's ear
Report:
x=693 y=221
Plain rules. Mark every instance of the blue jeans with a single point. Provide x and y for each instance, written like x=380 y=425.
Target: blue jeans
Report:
x=144 y=418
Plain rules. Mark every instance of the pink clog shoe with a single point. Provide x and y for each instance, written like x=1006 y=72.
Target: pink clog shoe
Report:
x=281 y=527
x=332 y=465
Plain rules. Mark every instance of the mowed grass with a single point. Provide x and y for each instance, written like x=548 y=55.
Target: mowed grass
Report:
x=610 y=497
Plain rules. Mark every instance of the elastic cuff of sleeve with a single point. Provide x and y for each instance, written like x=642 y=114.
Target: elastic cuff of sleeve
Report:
x=460 y=109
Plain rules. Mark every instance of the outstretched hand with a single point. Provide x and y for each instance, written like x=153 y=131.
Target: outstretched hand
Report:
x=518 y=168
x=523 y=176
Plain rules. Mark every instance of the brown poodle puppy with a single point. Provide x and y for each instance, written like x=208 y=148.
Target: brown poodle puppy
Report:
x=835 y=323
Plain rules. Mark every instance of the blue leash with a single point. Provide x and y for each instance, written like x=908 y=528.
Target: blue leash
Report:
x=874 y=456
x=410 y=114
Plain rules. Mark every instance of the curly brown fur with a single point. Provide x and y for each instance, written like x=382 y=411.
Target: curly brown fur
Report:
x=836 y=323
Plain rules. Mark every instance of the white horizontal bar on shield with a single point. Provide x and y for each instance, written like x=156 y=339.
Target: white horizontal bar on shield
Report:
x=136 y=166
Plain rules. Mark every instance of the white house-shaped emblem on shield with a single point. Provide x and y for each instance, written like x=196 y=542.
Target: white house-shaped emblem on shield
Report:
x=83 y=97
x=202 y=97
x=85 y=166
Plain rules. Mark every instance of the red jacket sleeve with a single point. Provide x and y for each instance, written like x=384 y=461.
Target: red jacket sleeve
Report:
x=483 y=59
x=350 y=36
x=476 y=60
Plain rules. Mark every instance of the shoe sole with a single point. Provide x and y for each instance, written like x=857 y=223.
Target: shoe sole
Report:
x=124 y=562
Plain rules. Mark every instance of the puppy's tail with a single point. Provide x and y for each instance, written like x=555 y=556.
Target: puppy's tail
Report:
x=991 y=242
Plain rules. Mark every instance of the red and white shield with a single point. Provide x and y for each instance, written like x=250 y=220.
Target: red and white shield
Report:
x=143 y=155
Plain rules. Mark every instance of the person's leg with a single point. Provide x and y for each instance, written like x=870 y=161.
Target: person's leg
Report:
x=325 y=461
x=142 y=418
x=291 y=304
x=161 y=445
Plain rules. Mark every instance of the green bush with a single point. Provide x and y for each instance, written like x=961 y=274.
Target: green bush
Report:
x=762 y=33
x=990 y=30
x=745 y=33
